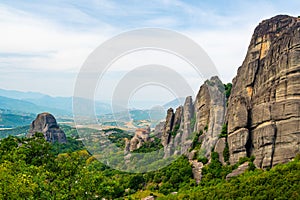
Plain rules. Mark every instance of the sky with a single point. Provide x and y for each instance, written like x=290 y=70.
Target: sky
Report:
x=45 y=43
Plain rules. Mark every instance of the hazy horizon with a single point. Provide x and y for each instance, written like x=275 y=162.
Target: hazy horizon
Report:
x=43 y=45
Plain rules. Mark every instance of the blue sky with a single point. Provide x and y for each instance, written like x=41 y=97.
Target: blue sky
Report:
x=44 y=43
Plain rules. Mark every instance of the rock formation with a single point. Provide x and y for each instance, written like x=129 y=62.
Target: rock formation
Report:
x=241 y=169
x=177 y=129
x=205 y=116
x=197 y=170
x=264 y=106
x=263 y=113
x=46 y=123
x=185 y=125
x=219 y=148
x=210 y=106
x=165 y=139
x=140 y=137
x=159 y=129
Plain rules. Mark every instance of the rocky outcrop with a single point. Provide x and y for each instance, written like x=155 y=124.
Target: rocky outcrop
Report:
x=263 y=113
x=166 y=135
x=46 y=123
x=210 y=107
x=241 y=169
x=140 y=137
x=206 y=115
x=159 y=129
x=219 y=148
x=176 y=137
x=177 y=118
x=188 y=113
x=197 y=170
x=149 y=198
x=185 y=131
x=264 y=106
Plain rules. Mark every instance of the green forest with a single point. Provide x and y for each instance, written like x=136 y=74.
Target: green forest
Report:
x=31 y=168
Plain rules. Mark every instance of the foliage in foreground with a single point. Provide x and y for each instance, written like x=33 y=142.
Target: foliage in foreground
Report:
x=35 y=168
x=280 y=182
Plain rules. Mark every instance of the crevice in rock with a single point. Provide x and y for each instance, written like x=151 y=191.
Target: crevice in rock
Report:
x=273 y=145
x=171 y=128
x=249 y=144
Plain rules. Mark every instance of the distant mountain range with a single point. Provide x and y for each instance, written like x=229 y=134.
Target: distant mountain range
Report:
x=18 y=108
x=33 y=102
x=9 y=119
x=174 y=103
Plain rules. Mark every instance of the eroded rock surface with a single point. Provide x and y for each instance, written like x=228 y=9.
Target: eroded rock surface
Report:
x=206 y=115
x=140 y=137
x=241 y=169
x=210 y=107
x=264 y=107
x=46 y=123
x=219 y=148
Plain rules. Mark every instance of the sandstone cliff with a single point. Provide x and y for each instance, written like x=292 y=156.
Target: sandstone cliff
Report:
x=203 y=117
x=264 y=107
x=262 y=118
x=176 y=136
x=210 y=107
x=46 y=123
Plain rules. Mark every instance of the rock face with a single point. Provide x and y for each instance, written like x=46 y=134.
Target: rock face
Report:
x=210 y=107
x=186 y=128
x=205 y=115
x=263 y=113
x=183 y=139
x=159 y=129
x=219 y=148
x=165 y=138
x=140 y=137
x=241 y=169
x=264 y=106
x=46 y=123
x=177 y=130
x=197 y=170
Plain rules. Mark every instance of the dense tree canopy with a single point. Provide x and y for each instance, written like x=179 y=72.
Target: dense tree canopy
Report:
x=31 y=168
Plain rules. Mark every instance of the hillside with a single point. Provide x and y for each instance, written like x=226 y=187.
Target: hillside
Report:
x=9 y=119
x=33 y=102
x=23 y=106
x=40 y=170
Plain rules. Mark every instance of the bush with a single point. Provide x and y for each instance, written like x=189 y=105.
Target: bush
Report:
x=196 y=138
x=226 y=153
x=176 y=128
x=280 y=182
x=203 y=159
x=224 y=132
x=251 y=166
x=228 y=88
x=206 y=127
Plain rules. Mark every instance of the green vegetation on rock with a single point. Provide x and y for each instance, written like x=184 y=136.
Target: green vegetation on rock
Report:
x=228 y=88
x=226 y=153
x=224 y=131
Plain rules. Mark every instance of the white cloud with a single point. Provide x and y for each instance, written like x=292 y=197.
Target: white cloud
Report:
x=227 y=49
x=63 y=49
